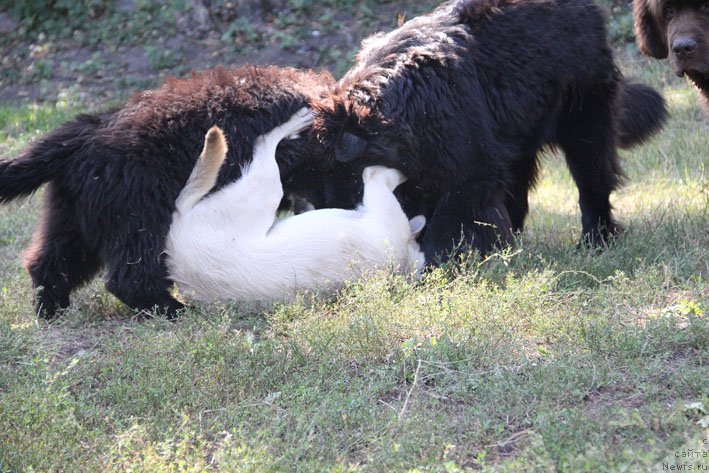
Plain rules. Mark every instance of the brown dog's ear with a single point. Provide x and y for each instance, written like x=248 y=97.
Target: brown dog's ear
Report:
x=349 y=148
x=651 y=38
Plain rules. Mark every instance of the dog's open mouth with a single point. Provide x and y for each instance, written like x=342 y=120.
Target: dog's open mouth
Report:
x=689 y=68
x=696 y=73
x=693 y=67
x=700 y=78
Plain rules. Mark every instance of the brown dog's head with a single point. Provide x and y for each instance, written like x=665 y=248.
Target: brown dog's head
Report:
x=678 y=29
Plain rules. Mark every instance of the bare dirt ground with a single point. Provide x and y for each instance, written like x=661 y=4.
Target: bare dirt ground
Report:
x=37 y=67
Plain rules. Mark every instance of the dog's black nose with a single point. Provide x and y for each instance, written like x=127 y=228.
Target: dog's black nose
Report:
x=684 y=46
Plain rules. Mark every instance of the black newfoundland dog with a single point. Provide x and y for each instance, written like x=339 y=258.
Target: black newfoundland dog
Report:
x=113 y=178
x=463 y=99
x=678 y=29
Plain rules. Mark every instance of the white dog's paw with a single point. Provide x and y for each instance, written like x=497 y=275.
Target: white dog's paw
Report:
x=301 y=120
x=390 y=177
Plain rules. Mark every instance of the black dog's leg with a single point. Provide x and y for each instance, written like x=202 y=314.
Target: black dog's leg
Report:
x=137 y=276
x=58 y=259
x=143 y=292
x=587 y=137
x=522 y=175
x=472 y=213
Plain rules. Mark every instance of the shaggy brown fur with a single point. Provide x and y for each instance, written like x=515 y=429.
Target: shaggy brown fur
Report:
x=678 y=29
x=113 y=178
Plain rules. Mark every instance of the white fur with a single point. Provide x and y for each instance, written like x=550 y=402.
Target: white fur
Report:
x=227 y=246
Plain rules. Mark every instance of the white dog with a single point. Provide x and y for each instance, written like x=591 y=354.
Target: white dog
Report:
x=228 y=245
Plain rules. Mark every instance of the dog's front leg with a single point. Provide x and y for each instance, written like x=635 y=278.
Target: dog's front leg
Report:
x=261 y=180
x=472 y=214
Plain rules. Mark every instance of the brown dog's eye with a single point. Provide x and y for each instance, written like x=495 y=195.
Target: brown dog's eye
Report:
x=668 y=12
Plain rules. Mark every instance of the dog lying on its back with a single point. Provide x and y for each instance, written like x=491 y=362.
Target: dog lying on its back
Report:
x=226 y=245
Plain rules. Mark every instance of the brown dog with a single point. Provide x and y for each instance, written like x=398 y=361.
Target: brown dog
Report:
x=678 y=29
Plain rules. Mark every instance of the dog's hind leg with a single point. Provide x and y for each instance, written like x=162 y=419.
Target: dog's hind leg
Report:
x=58 y=259
x=587 y=137
x=522 y=176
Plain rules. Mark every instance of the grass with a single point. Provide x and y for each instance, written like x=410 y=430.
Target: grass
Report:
x=539 y=358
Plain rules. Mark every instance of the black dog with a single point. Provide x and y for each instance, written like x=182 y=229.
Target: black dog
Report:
x=113 y=178
x=463 y=99
x=680 y=29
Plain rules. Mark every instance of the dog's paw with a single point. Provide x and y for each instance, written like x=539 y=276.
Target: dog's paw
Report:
x=301 y=120
x=601 y=237
x=390 y=177
x=416 y=225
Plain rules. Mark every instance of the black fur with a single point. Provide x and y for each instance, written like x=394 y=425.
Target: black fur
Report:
x=463 y=99
x=113 y=178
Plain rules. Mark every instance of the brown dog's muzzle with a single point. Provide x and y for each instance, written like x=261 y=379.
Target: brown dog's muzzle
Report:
x=687 y=37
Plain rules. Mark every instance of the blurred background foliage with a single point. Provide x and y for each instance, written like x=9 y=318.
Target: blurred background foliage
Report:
x=101 y=50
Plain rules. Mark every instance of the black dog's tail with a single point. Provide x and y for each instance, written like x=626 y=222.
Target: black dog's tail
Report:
x=643 y=112
x=42 y=161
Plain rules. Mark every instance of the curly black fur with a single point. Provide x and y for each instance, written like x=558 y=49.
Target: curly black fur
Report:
x=463 y=99
x=113 y=178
